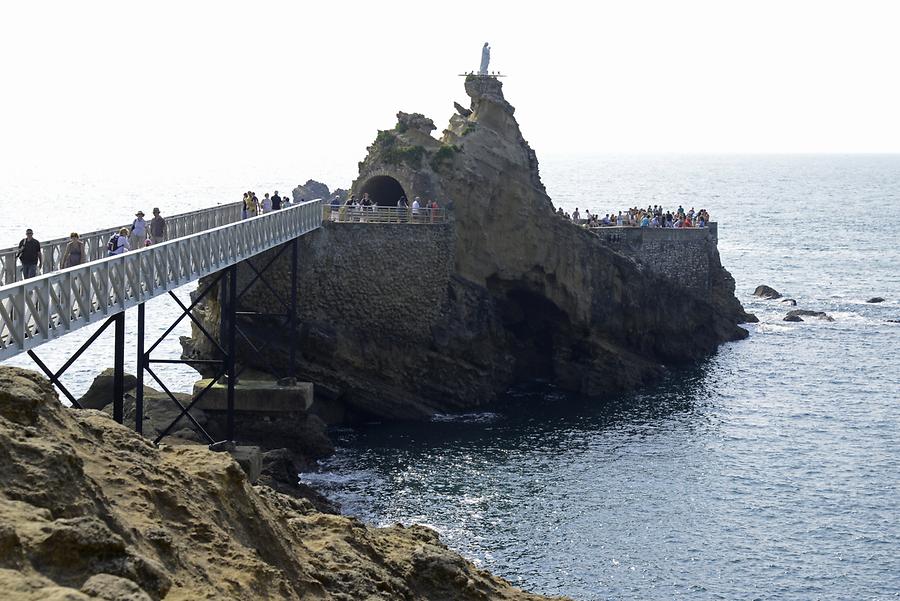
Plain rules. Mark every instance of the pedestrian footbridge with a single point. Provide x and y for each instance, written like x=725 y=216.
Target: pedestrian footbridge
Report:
x=209 y=242
x=55 y=303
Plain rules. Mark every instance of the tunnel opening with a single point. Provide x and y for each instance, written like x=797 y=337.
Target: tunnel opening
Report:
x=383 y=190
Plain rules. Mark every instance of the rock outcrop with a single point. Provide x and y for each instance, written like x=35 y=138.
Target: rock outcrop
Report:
x=875 y=299
x=807 y=313
x=91 y=510
x=311 y=190
x=401 y=324
x=766 y=292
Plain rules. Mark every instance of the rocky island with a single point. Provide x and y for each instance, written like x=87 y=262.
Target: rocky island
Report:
x=401 y=321
x=396 y=321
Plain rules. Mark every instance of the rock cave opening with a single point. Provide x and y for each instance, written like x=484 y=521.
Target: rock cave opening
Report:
x=384 y=190
x=534 y=321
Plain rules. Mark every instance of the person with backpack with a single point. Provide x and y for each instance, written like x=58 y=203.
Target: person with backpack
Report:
x=118 y=243
x=29 y=254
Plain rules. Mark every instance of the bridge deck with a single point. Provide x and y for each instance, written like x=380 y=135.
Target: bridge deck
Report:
x=46 y=307
x=183 y=224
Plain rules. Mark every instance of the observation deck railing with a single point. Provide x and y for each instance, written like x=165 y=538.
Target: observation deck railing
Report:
x=48 y=306
x=375 y=214
x=177 y=226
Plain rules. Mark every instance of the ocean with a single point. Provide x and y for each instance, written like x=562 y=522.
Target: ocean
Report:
x=770 y=470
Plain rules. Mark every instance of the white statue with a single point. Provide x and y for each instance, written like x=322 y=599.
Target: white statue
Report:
x=485 y=59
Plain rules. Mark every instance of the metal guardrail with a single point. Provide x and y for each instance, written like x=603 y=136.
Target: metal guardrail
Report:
x=375 y=214
x=45 y=307
x=177 y=226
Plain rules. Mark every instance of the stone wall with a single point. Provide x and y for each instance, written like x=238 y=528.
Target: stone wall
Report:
x=680 y=255
x=389 y=278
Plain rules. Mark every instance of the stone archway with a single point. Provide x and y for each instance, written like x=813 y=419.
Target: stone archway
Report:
x=384 y=190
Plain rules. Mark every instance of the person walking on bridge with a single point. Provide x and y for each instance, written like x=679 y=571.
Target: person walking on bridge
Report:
x=157 y=227
x=138 y=231
x=74 y=252
x=276 y=201
x=118 y=243
x=29 y=254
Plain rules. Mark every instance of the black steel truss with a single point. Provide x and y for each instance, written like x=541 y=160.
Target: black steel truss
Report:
x=118 y=366
x=225 y=345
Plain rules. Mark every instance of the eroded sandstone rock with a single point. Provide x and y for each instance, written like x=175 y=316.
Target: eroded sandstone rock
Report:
x=91 y=510
x=404 y=321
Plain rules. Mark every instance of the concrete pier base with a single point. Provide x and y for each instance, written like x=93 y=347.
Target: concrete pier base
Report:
x=257 y=396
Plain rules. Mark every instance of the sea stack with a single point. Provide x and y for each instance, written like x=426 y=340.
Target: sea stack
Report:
x=401 y=321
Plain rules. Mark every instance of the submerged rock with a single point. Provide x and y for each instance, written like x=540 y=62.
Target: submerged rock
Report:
x=875 y=299
x=807 y=313
x=793 y=318
x=790 y=301
x=766 y=292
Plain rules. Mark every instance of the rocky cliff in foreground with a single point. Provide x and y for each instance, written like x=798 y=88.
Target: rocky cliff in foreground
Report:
x=399 y=323
x=91 y=510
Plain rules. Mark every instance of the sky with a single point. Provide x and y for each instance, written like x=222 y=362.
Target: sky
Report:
x=160 y=87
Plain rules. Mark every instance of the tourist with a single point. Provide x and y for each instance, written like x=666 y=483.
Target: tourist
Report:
x=434 y=210
x=276 y=202
x=73 y=253
x=645 y=221
x=138 y=231
x=335 y=207
x=249 y=205
x=157 y=227
x=576 y=216
x=266 y=204
x=415 y=208
x=244 y=212
x=118 y=243
x=29 y=254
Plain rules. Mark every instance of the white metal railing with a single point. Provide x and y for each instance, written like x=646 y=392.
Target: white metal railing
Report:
x=177 y=226
x=46 y=307
x=374 y=214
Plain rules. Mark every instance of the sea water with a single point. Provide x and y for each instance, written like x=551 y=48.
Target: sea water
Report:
x=770 y=470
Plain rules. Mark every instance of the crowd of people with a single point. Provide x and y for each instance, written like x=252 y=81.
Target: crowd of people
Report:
x=141 y=233
x=356 y=208
x=652 y=216
x=253 y=206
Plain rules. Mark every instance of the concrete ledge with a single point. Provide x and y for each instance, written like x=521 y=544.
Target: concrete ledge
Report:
x=258 y=396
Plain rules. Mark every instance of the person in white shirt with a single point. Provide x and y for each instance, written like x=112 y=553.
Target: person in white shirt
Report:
x=415 y=208
x=118 y=244
x=138 y=231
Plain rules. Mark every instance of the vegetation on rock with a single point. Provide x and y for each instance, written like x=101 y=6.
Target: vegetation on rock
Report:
x=444 y=155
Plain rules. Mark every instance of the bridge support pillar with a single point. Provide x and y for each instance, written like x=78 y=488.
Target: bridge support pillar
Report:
x=230 y=314
x=141 y=364
x=119 y=369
